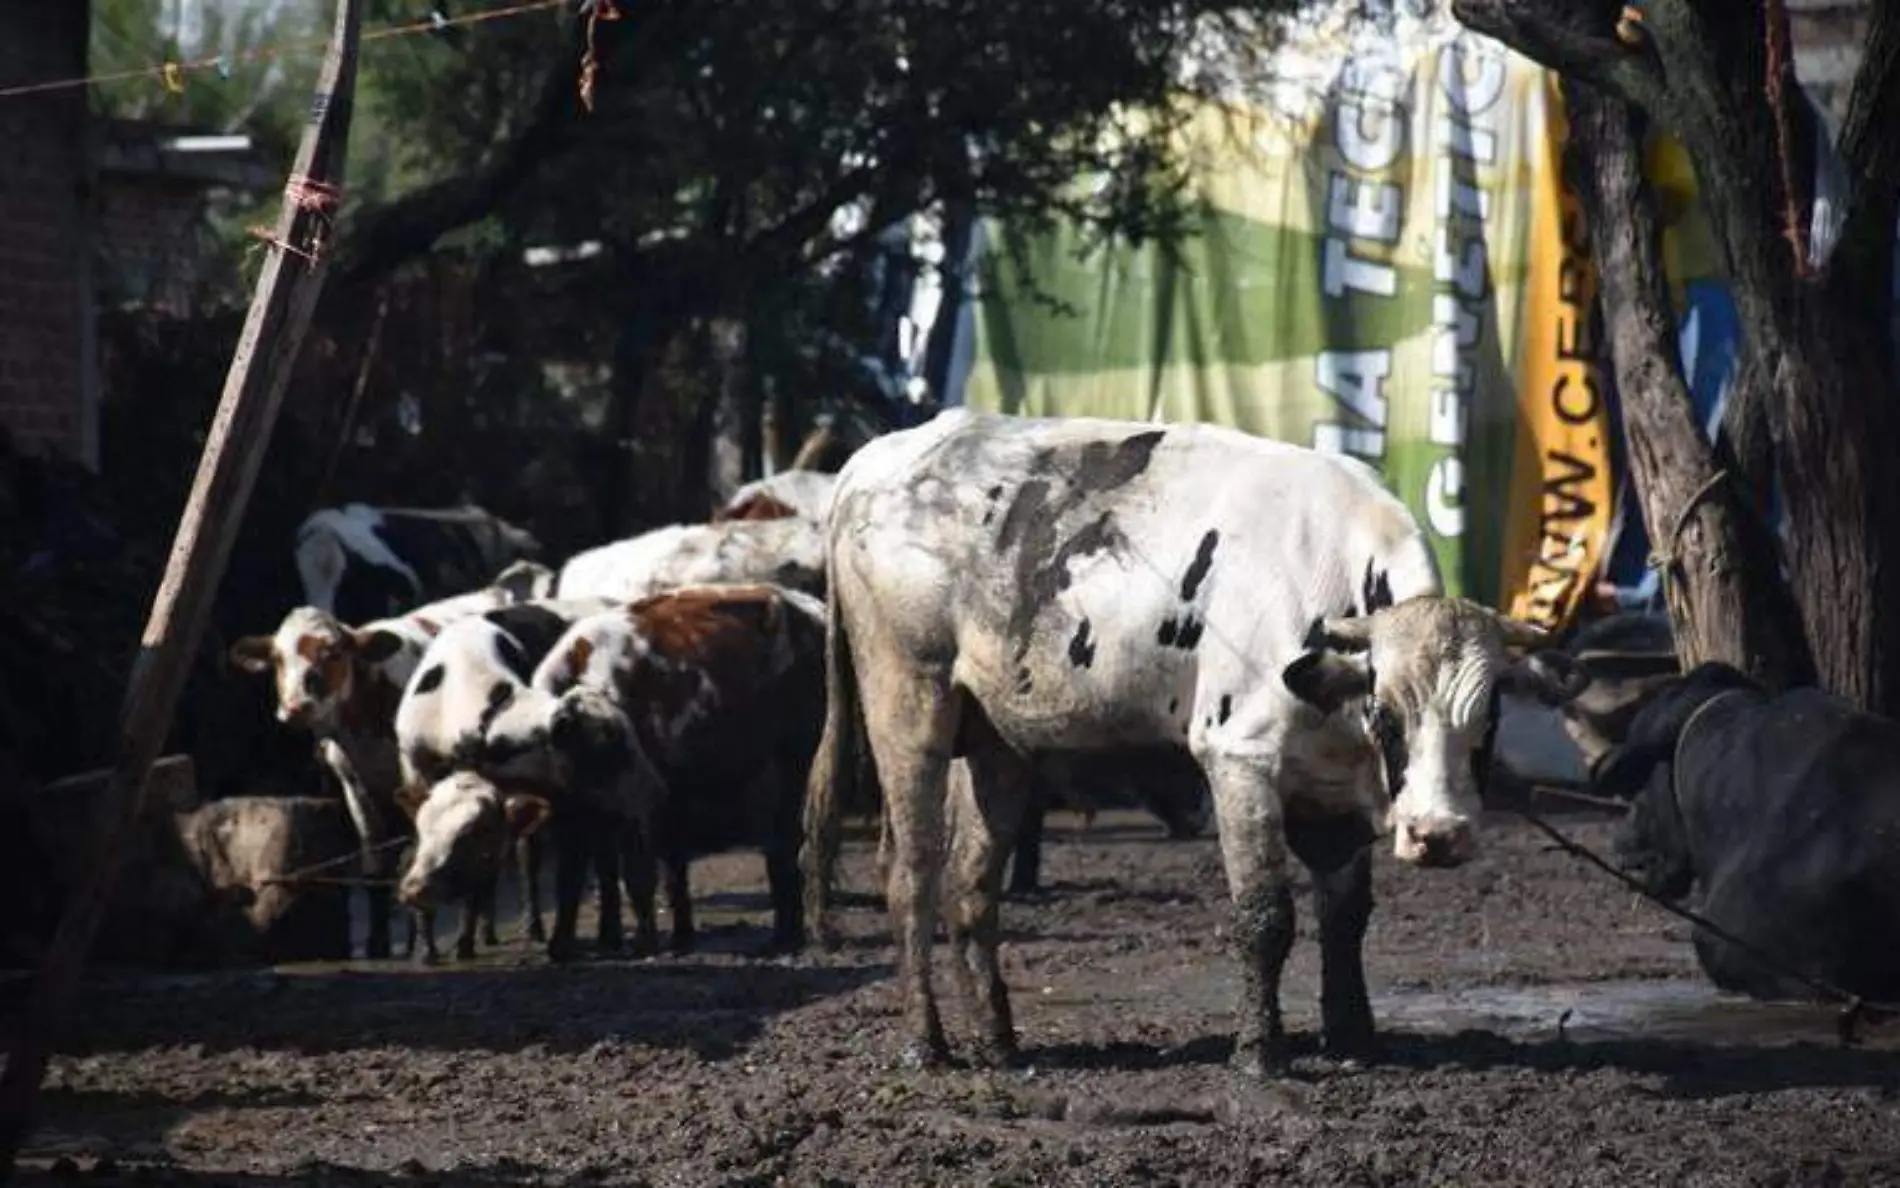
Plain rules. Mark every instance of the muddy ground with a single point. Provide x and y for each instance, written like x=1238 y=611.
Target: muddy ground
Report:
x=726 y=1069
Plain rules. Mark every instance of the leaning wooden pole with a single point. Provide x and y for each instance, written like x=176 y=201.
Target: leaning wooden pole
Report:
x=280 y=312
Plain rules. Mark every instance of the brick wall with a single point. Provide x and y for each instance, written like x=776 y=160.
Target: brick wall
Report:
x=46 y=367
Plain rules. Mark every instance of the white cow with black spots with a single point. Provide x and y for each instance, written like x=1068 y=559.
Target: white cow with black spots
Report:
x=1003 y=589
x=459 y=799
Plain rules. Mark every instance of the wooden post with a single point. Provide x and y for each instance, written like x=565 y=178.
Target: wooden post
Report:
x=280 y=312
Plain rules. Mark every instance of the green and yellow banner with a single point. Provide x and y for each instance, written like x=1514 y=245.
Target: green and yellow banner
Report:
x=1384 y=262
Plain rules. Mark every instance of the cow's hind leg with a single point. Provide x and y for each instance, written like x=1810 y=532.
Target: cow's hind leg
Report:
x=990 y=790
x=1337 y=849
x=1025 y=869
x=1253 y=850
x=528 y=857
x=910 y=719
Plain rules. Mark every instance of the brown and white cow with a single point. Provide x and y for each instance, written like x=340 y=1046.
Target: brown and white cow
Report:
x=696 y=712
x=787 y=551
x=788 y=493
x=343 y=684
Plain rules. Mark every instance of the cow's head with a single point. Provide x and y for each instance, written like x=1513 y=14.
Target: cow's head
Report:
x=1424 y=676
x=1651 y=843
x=314 y=659
x=464 y=827
x=597 y=753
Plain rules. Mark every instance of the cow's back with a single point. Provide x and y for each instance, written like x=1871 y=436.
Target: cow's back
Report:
x=760 y=649
x=1145 y=580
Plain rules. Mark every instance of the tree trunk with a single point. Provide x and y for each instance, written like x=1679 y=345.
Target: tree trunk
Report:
x=1719 y=568
x=1817 y=354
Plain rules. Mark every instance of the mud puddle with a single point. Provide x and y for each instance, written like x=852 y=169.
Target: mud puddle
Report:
x=1681 y=1009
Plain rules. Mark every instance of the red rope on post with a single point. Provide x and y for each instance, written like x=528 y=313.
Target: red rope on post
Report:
x=304 y=193
x=1779 y=67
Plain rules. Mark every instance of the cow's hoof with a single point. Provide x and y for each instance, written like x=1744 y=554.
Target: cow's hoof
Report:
x=918 y=1055
x=465 y=952
x=785 y=944
x=426 y=959
x=995 y=1055
x=1354 y=1046
x=646 y=945
x=561 y=953
x=1259 y=1060
x=491 y=939
x=610 y=945
x=681 y=944
x=537 y=935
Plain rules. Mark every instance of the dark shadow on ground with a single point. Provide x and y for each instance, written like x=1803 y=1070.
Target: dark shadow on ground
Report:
x=710 y=1002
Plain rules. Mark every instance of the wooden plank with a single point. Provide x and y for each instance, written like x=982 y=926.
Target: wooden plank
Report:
x=286 y=293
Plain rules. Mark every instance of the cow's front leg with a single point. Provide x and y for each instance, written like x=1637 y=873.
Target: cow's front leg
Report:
x=990 y=794
x=572 y=856
x=1338 y=850
x=1253 y=850
x=483 y=904
x=607 y=845
x=379 y=902
x=640 y=874
x=467 y=927
x=422 y=925
x=679 y=901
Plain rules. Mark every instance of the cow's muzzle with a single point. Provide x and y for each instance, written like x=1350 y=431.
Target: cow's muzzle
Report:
x=1439 y=843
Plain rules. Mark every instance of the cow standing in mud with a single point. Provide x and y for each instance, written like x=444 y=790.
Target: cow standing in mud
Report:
x=1002 y=588
x=701 y=708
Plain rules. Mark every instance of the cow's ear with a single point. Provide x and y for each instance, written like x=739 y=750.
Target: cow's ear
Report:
x=526 y=813
x=375 y=645
x=1550 y=676
x=1327 y=680
x=251 y=654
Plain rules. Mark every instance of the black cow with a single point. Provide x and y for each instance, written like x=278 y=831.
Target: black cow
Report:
x=362 y=563
x=1783 y=811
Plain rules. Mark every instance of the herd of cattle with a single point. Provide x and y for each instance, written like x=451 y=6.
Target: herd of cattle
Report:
x=980 y=613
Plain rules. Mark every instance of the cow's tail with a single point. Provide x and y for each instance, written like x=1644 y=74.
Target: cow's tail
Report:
x=834 y=771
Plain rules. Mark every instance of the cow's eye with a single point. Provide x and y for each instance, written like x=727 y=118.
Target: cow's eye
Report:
x=312 y=682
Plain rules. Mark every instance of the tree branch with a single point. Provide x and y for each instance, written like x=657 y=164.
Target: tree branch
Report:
x=390 y=236
x=1577 y=40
